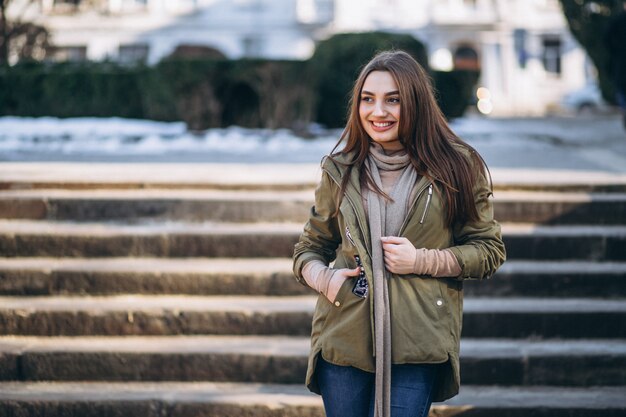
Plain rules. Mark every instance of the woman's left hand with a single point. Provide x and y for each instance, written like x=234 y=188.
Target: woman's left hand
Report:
x=399 y=254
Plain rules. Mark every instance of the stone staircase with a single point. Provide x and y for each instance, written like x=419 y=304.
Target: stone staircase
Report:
x=132 y=295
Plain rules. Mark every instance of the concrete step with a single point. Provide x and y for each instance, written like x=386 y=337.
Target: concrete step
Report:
x=188 y=205
x=99 y=276
x=280 y=359
x=171 y=239
x=208 y=399
x=33 y=238
x=81 y=176
x=553 y=279
x=560 y=207
x=537 y=242
x=239 y=315
x=273 y=276
x=272 y=206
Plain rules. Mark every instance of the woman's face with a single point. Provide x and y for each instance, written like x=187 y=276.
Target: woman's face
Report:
x=379 y=109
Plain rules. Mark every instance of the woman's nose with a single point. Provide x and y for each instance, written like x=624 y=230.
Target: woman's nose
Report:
x=379 y=109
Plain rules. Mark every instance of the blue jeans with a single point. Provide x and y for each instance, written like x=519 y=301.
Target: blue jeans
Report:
x=349 y=392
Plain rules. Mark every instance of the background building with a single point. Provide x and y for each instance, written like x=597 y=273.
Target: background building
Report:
x=148 y=30
x=527 y=57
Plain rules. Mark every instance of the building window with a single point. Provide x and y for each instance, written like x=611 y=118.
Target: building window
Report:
x=551 y=56
x=133 y=53
x=252 y=46
x=466 y=58
x=520 y=37
x=65 y=5
x=68 y=53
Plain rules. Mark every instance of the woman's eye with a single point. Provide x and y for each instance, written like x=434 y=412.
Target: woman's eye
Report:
x=366 y=99
x=394 y=100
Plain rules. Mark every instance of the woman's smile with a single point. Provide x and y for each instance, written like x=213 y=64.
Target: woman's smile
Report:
x=382 y=126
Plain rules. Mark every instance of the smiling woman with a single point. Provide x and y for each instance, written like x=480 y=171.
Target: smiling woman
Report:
x=404 y=211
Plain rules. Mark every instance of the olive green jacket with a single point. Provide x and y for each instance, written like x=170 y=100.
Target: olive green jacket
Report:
x=426 y=312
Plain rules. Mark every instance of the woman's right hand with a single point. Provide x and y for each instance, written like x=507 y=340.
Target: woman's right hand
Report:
x=336 y=281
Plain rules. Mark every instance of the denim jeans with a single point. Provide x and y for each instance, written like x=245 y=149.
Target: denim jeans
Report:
x=349 y=392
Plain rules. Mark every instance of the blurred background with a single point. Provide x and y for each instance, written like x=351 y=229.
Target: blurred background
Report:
x=158 y=159
x=282 y=64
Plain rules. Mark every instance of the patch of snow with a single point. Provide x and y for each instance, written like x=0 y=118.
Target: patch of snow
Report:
x=556 y=143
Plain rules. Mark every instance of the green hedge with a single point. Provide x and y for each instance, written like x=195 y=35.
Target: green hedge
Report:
x=215 y=92
x=65 y=90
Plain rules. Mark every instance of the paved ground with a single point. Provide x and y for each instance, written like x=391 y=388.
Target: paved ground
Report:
x=581 y=144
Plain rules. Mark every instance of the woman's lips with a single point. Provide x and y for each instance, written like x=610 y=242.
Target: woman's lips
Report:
x=382 y=126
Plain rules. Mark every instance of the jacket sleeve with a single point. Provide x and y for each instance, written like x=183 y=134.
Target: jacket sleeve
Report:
x=479 y=248
x=321 y=237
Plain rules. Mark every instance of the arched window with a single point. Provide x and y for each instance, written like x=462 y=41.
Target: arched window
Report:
x=466 y=58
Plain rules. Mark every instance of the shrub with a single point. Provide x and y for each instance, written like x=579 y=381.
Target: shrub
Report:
x=246 y=92
x=218 y=92
x=71 y=90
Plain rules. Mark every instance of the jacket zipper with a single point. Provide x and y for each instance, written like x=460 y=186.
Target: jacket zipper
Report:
x=358 y=220
x=415 y=200
x=430 y=196
x=349 y=236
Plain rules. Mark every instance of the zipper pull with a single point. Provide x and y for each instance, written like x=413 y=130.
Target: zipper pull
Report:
x=349 y=236
x=430 y=196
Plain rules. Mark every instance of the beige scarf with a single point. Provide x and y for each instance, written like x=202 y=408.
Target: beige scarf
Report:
x=385 y=219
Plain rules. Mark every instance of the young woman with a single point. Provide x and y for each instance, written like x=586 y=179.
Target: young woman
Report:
x=404 y=211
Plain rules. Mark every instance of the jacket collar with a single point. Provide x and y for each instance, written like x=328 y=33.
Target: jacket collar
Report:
x=337 y=170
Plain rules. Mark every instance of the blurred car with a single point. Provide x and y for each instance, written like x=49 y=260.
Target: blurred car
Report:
x=586 y=100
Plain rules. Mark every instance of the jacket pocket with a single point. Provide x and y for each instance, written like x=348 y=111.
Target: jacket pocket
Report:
x=344 y=291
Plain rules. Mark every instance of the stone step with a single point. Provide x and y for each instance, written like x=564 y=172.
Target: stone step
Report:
x=187 y=205
x=276 y=206
x=273 y=276
x=81 y=176
x=553 y=279
x=238 y=315
x=171 y=239
x=100 y=276
x=209 y=399
x=276 y=359
x=560 y=207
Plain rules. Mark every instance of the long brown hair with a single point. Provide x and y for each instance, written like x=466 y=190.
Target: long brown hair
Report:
x=434 y=150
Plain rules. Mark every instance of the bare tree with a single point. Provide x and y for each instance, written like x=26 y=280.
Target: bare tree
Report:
x=25 y=40
x=4 y=32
